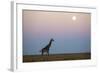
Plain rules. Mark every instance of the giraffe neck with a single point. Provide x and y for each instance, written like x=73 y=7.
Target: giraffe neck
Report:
x=50 y=43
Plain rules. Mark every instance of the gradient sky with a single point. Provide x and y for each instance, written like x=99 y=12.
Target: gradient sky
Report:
x=71 y=36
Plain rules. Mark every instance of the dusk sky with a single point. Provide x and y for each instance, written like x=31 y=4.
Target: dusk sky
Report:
x=71 y=32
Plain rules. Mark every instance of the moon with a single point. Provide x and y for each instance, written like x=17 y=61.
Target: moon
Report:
x=74 y=18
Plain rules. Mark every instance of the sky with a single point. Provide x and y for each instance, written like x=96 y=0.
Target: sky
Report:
x=71 y=32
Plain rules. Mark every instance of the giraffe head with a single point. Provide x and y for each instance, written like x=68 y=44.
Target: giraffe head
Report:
x=52 y=39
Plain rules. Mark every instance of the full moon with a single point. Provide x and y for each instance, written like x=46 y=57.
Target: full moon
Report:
x=74 y=18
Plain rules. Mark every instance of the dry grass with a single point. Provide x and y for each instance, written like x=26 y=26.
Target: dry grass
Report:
x=56 y=57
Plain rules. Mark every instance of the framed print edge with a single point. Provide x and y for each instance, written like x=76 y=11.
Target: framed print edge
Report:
x=13 y=37
x=16 y=40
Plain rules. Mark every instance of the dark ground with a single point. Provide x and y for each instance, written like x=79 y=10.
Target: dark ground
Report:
x=56 y=57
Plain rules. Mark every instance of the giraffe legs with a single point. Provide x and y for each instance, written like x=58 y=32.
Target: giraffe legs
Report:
x=45 y=52
x=48 y=53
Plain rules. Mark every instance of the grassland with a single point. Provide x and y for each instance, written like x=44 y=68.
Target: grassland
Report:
x=56 y=57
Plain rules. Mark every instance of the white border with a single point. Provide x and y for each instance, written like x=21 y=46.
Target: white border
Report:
x=18 y=65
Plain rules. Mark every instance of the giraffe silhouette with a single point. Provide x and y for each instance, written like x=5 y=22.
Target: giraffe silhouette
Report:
x=47 y=47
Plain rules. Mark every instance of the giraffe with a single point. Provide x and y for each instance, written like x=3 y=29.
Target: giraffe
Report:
x=46 y=48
